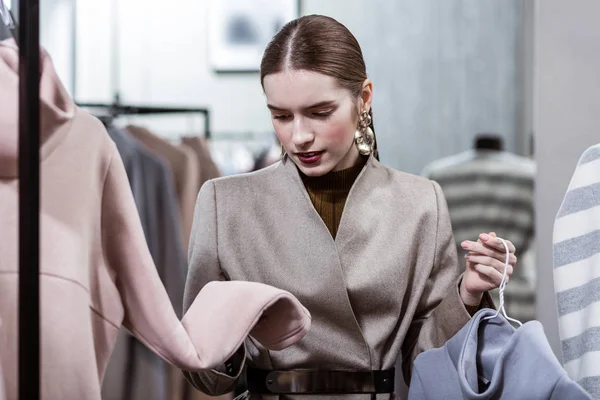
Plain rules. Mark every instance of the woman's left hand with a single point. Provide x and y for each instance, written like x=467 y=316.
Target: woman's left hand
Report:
x=485 y=266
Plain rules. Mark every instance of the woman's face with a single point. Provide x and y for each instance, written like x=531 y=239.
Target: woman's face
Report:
x=315 y=120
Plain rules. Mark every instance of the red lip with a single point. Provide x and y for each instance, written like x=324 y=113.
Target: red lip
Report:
x=310 y=158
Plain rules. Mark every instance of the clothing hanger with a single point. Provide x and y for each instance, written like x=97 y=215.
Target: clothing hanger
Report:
x=503 y=287
x=9 y=21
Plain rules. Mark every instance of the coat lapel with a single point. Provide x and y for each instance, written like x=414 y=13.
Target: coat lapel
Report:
x=327 y=250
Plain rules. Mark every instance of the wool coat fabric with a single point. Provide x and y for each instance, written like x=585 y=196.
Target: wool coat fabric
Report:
x=185 y=168
x=96 y=272
x=388 y=283
x=2 y=391
x=208 y=168
x=490 y=359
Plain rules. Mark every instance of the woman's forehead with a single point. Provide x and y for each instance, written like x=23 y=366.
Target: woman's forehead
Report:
x=299 y=89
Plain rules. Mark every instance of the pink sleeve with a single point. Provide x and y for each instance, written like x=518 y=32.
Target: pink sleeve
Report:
x=218 y=320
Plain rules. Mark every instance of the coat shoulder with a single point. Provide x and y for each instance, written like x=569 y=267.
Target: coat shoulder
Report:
x=417 y=186
x=255 y=181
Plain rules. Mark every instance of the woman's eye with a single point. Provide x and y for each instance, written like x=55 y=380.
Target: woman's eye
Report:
x=322 y=114
x=281 y=117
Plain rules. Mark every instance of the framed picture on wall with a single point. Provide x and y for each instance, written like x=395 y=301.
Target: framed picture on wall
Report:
x=239 y=31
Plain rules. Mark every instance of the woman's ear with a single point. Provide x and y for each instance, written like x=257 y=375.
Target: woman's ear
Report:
x=366 y=96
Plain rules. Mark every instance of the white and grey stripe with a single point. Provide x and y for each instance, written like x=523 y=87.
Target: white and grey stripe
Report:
x=493 y=191
x=576 y=256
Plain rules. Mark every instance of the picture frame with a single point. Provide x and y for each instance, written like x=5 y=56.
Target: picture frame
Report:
x=240 y=30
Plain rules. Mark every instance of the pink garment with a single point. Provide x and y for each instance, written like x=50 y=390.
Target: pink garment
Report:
x=96 y=269
x=2 y=392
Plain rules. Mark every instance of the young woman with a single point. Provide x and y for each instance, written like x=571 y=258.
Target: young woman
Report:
x=367 y=249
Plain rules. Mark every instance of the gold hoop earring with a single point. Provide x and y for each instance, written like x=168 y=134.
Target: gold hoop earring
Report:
x=364 y=137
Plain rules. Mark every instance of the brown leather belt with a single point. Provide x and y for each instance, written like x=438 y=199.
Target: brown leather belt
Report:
x=319 y=381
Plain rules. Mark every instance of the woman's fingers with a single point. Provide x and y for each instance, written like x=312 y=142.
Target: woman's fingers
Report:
x=490 y=262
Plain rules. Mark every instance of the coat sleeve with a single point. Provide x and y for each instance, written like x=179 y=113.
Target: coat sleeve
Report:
x=566 y=388
x=440 y=313
x=204 y=267
x=148 y=313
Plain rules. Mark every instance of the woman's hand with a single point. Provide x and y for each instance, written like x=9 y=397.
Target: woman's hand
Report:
x=485 y=267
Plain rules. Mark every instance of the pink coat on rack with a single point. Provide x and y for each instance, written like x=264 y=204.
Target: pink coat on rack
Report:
x=2 y=392
x=96 y=271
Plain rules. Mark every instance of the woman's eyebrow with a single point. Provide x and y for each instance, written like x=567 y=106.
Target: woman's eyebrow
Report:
x=316 y=105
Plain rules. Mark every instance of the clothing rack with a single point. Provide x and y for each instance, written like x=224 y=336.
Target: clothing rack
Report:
x=116 y=109
x=28 y=40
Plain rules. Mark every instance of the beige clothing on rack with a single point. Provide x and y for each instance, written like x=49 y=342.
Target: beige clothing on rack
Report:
x=185 y=168
x=208 y=168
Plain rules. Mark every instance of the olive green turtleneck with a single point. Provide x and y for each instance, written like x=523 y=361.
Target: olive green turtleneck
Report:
x=329 y=192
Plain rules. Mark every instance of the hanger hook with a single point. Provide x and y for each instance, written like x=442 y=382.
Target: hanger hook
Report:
x=503 y=287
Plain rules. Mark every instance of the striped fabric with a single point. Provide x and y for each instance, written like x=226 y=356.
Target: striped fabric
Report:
x=494 y=191
x=577 y=273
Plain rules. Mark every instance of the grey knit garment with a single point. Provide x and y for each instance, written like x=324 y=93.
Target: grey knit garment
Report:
x=493 y=360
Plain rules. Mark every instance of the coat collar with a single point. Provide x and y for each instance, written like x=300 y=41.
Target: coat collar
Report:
x=489 y=350
x=290 y=170
x=57 y=109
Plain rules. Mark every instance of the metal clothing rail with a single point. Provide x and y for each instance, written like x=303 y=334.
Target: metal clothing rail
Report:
x=116 y=109
x=29 y=199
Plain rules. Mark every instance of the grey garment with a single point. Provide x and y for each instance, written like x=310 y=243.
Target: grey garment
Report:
x=154 y=194
x=576 y=259
x=487 y=191
x=493 y=191
x=4 y=32
x=493 y=360
x=134 y=372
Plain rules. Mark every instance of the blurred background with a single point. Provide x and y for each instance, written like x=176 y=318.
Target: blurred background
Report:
x=494 y=99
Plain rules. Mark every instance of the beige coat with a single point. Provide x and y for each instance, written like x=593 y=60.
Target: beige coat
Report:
x=96 y=272
x=387 y=283
x=208 y=168
x=186 y=172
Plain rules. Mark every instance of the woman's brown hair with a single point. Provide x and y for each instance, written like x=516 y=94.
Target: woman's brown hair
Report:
x=320 y=44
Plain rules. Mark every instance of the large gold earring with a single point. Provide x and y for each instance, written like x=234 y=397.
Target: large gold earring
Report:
x=283 y=152
x=364 y=137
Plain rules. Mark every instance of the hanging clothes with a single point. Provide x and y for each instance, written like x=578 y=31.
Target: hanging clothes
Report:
x=96 y=272
x=4 y=31
x=185 y=169
x=576 y=255
x=2 y=390
x=493 y=360
x=153 y=189
x=134 y=372
x=493 y=191
x=208 y=168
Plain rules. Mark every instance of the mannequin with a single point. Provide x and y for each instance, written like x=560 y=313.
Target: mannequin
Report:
x=489 y=141
x=488 y=186
x=96 y=272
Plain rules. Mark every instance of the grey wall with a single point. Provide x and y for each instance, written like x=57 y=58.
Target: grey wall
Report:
x=567 y=120
x=442 y=71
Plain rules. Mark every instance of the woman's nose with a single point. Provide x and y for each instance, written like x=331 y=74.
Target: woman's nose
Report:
x=302 y=135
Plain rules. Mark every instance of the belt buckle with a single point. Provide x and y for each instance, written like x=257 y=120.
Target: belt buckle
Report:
x=319 y=382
